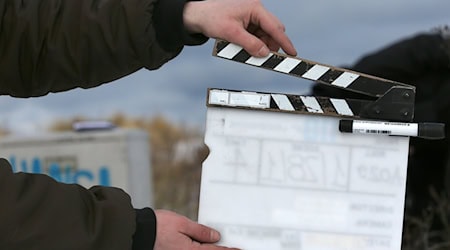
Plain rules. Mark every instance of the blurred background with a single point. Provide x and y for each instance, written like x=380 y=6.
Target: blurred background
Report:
x=169 y=103
x=330 y=32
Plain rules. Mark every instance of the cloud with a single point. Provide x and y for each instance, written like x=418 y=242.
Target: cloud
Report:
x=331 y=32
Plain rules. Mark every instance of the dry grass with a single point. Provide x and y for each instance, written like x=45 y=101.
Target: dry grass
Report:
x=431 y=230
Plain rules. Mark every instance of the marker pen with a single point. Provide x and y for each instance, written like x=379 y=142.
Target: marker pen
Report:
x=432 y=131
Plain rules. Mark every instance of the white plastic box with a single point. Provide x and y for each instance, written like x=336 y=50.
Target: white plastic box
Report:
x=116 y=157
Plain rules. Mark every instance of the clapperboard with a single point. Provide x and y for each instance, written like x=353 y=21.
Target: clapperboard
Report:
x=291 y=172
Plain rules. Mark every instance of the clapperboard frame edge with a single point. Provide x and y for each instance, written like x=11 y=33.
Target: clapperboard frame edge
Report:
x=387 y=100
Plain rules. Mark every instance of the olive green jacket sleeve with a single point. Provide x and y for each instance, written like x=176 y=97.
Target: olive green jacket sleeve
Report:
x=37 y=212
x=56 y=45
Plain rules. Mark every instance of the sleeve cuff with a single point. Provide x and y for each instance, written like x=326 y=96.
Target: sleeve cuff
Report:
x=145 y=235
x=170 y=31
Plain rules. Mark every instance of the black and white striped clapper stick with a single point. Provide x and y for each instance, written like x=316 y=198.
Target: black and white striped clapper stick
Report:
x=285 y=103
x=325 y=74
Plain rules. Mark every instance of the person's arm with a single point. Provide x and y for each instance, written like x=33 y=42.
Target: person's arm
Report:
x=56 y=45
x=36 y=212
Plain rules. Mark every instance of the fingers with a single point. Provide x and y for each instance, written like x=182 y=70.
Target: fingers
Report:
x=200 y=233
x=175 y=231
x=200 y=246
x=251 y=43
x=212 y=247
x=264 y=32
x=246 y=23
x=273 y=45
x=260 y=44
x=271 y=26
x=203 y=236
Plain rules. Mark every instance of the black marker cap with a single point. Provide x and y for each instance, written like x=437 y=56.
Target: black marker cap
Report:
x=346 y=126
x=432 y=131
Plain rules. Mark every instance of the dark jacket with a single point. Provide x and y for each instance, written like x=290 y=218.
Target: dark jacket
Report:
x=422 y=60
x=57 y=45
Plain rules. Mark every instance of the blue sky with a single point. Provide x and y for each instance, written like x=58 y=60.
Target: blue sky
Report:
x=328 y=31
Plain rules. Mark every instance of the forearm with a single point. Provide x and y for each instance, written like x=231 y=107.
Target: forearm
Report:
x=56 y=45
x=37 y=212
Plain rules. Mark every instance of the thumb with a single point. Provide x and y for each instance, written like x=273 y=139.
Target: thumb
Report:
x=200 y=233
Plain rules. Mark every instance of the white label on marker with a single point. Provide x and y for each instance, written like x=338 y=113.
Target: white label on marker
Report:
x=386 y=128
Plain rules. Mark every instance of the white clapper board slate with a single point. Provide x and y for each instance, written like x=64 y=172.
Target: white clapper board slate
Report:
x=286 y=181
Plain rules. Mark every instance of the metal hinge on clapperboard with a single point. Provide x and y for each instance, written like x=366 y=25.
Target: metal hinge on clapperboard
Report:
x=390 y=112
